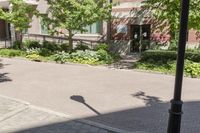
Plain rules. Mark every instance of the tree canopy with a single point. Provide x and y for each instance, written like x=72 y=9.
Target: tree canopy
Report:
x=74 y=15
x=169 y=10
x=19 y=15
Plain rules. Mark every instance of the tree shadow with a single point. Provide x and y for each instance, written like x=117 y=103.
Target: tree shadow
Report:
x=4 y=77
x=148 y=100
x=151 y=118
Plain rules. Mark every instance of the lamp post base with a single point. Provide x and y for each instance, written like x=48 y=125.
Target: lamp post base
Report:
x=175 y=112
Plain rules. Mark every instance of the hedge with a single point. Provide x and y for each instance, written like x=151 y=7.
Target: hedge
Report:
x=164 y=56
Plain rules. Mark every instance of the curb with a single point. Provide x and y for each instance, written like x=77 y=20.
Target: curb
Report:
x=13 y=113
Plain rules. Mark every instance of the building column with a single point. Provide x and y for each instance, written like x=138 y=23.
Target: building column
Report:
x=12 y=29
x=7 y=30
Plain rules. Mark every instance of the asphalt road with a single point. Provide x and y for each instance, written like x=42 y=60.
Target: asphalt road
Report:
x=126 y=99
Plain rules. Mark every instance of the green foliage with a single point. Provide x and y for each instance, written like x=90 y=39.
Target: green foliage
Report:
x=39 y=51
x=102 y=46
x=34 y=57
x=51 y=46
x=45 y=52
x=64 y=47
x=173 y=45
x=193 y=56
x=20 y=14
x=104 y=56
x=156 y=45
x=74 y=15
x=61 y=57
x=82 y=47
x=84 y=57
x=167 y=67
x=16 y=45
x=164 y=56
x=31 y=44
x=32 y=51
x=192 y=69
x=158 y=55
x=169 y=10
x=11 y=53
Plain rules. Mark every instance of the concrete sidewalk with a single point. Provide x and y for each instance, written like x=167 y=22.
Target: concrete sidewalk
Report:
x=21 y=117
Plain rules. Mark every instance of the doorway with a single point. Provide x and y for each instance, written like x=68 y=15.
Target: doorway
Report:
x=140 y=34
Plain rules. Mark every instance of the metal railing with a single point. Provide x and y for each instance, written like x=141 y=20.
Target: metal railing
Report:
x=5 y=43
x=58 y=39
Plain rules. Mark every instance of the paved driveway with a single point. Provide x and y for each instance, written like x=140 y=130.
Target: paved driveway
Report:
x=126 y=99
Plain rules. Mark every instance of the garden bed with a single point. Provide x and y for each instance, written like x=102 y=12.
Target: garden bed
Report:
x=165 y=62
x=59 y=53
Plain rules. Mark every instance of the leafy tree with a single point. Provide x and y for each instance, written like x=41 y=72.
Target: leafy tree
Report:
x=19 y=15
x=168 y=11
x=67 y=16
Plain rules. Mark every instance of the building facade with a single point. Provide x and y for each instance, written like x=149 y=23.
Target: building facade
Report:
x=132 y=25
x=129 y=27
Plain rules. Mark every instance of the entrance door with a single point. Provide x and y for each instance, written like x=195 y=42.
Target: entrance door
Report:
x=2 y=30
x=141 y=37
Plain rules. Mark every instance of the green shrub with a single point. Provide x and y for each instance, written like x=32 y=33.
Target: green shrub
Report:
x=32 y=44
x=81 y=47
x=192 y=69
x=64 y=47
x=16 y=45
x=84 y=57
x=102 y=46
x=51 y=46
x=34 y=57
x=173 y=45
x=33 y=51
x=158 y=55
x=164 y=56
x=168 y=67
x=104 y=56
x=45 y=52
x=11 y=53
x=193 y=56
x=61 y=57
x=39 y=51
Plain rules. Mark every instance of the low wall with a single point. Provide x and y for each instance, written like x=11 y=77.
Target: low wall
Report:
x=120 y=46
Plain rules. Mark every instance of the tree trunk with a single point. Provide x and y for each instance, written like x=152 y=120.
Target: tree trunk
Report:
x=21 y=40
x=19 y=37
x=70 y=40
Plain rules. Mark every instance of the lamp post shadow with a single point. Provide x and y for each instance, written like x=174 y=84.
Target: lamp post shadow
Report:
x=81 y=99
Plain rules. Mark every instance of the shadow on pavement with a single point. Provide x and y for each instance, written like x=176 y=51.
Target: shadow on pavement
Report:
x=3 y=76
x=151 y=118
x=81 y=99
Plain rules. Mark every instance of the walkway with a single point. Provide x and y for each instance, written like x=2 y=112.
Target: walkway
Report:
x=21 y=117
x=124 y=99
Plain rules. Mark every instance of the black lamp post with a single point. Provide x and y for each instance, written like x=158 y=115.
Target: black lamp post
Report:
x=176 y=103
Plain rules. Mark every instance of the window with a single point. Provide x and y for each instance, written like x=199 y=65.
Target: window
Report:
x=94 y=28
x=43 y=28
x=122 y=28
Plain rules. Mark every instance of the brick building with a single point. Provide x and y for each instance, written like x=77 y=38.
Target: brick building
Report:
x=129 y=26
